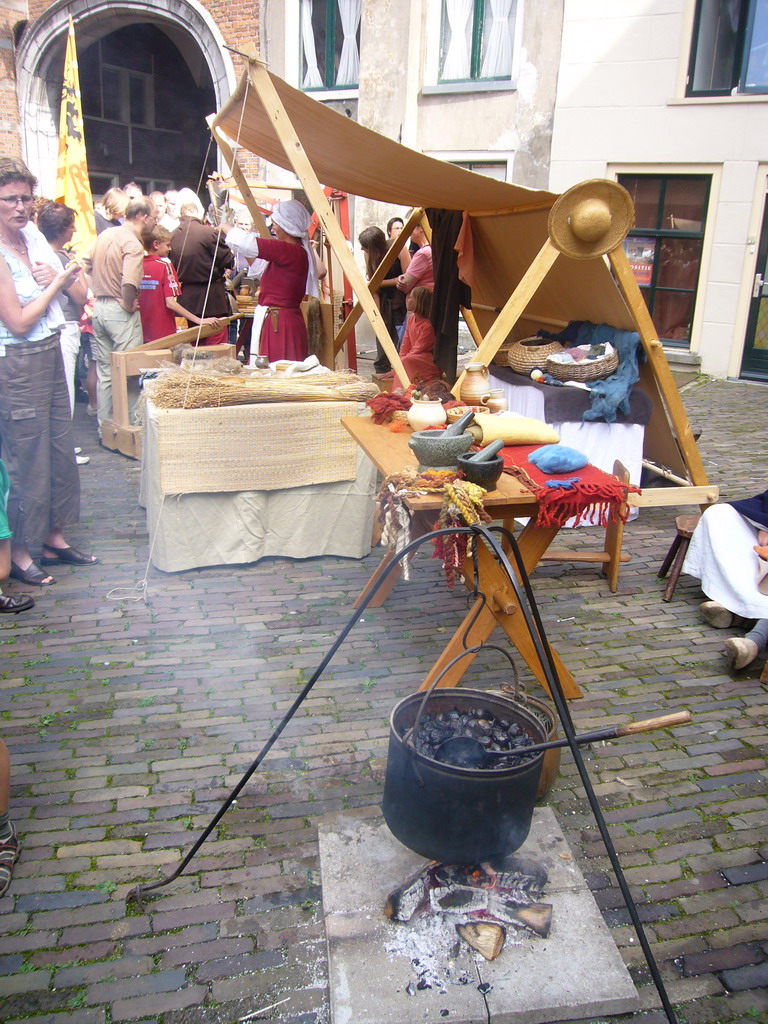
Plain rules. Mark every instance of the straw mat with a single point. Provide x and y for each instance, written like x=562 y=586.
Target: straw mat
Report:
x=254 y=447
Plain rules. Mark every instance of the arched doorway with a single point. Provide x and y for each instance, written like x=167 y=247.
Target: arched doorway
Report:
x=150 y=73
x=143 y=112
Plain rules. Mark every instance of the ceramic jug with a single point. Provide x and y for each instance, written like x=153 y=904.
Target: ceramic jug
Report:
x=426 y=412
x=495 y=401
x=475 y=384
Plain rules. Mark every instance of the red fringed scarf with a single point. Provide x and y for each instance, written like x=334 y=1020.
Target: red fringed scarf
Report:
x=595 y=492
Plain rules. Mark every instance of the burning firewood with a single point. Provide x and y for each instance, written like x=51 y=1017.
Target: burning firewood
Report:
x=458 y=899
x=536 y=917
x=403 y=902
x=489 y=899
x=487 y=939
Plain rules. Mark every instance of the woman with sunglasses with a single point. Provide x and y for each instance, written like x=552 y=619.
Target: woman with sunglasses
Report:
x=35 y=421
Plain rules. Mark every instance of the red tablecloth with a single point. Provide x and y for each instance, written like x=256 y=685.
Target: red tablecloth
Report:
x=594 y=492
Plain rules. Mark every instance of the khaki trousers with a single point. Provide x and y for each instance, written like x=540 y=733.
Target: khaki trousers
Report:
x=114 y=330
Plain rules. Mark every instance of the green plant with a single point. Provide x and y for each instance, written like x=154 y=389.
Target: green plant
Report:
x=147 y=702
x=107 y=887
x=77 y=1001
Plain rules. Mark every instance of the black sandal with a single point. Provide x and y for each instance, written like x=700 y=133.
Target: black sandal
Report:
x=16 y=604
x=69 y=556
x=33 y=575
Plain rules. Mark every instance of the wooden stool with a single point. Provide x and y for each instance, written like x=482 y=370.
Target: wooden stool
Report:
x=676 y=555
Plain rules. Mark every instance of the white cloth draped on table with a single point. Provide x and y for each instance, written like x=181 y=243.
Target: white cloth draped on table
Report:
x=602 y=443
x=721 y=556
x=188 y=531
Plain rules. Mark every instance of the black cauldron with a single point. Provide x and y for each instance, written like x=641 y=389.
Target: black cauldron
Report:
x=458 y=815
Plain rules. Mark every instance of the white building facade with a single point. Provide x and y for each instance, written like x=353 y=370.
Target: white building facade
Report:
x=670 y=97
x=469 y=81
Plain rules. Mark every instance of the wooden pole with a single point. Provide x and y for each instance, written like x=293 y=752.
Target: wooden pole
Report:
x=514 y=307
x=474 y=329
x=189 y=335
x=373 y=285
x=297 y=157
x=260 y=225
x=633 y=297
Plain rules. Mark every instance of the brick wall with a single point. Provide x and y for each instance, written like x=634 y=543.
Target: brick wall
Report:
x=237 y=20
x=10 y=137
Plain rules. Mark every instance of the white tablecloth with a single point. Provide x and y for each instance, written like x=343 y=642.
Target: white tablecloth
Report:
x=602 y=443
x=189 y=531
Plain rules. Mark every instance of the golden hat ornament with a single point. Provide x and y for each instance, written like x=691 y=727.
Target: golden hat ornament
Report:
x=591 y=219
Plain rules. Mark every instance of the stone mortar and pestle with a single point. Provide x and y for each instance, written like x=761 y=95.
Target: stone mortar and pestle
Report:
x=440 y=448
x=484 y=467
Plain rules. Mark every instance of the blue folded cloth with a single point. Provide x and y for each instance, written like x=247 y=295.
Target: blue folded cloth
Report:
x=557 y=458
x=566 y=485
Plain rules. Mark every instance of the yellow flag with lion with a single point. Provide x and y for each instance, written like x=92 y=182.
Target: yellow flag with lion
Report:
x=73 y=187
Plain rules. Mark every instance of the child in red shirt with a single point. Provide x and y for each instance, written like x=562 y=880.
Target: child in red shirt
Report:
x=418 y=345
x=160 y=289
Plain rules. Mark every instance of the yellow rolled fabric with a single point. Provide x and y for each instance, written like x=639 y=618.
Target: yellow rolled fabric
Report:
x=514 y=430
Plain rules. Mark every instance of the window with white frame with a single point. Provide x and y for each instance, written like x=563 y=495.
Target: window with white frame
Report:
x=330 y=44
x=477 y=39
x=729 y=48
x=490 y=169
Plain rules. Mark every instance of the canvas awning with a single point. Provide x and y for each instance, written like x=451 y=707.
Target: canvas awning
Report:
x=350 y=157
x=518 y=266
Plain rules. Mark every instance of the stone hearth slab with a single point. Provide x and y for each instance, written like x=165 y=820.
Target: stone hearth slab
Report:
x=576 y=972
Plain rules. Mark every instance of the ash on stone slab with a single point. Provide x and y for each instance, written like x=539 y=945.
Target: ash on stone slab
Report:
x=577 y=972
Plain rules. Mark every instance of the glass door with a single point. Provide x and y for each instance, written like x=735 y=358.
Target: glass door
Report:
x=754 y=365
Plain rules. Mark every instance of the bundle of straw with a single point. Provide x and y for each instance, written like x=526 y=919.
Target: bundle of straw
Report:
x=177 y=389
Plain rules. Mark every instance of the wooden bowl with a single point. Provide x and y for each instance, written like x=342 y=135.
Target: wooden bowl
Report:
x=458 y=411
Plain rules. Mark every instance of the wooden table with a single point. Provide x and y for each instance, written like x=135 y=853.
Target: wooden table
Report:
x=390 y=454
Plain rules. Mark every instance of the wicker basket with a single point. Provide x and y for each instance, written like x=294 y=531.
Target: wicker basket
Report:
x=528 y=354
x=584 y=371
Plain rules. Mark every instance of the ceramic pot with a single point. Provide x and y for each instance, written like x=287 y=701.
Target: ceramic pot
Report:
x=425 y=413
x=475 y=384
x=495 y=401
x=459 y=815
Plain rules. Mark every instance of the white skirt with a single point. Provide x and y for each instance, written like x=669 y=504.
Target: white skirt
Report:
x=721 y=556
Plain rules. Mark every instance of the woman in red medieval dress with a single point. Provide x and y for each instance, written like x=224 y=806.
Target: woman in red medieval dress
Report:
x=291 y=273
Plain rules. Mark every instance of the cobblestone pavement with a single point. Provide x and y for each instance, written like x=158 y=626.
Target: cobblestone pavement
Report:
x=129 y=722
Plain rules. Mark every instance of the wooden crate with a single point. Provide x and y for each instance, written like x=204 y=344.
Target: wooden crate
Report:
x=119 y=434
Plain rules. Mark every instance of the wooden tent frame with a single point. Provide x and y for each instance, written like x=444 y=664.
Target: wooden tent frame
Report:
x=669 y=420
